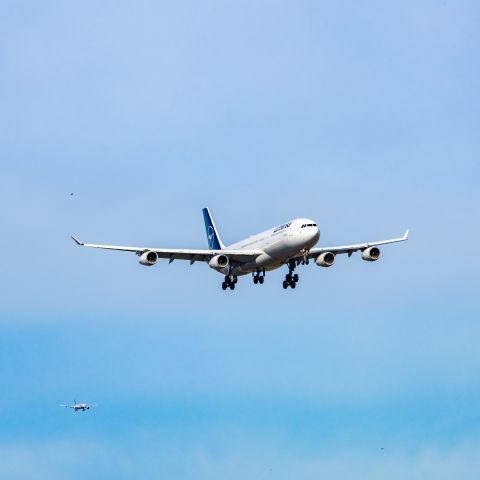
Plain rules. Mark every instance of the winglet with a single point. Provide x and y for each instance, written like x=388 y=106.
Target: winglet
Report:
x=405 y=237
x=77 y=241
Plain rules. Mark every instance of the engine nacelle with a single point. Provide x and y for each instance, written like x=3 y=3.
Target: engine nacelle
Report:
x=148 y=258
x=326 y=259
x=220 y=263
x=371 y=254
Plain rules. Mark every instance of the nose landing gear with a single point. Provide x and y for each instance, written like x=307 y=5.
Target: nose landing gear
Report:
x=291 y=279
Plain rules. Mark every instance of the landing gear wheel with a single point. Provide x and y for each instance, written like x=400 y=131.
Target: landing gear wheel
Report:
x=295 y=278
x=224 y=286
x=261 y=280
x=255 y=279
x=293 y=284
x=285 y=284
x=232 y=286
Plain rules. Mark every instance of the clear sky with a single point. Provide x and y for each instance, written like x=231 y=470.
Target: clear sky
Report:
x=361 y=115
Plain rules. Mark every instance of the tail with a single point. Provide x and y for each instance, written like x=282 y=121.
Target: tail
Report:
x=214 y=242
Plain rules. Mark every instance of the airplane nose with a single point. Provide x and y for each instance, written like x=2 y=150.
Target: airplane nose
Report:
x=312 y=236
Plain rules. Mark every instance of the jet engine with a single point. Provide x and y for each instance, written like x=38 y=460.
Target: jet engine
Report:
x=220 y=263
x=371 y=254
x=326 y=259
x=148 y=258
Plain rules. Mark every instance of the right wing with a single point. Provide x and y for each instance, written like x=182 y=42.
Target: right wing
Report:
x=199 y=255
x=314 y=252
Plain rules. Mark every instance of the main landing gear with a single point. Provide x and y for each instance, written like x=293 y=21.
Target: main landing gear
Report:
x=259 y=277
x=229 y=282
x=291 y=279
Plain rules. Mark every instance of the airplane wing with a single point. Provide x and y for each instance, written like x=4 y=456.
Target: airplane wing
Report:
x=67 y=406
x=199 y=255
x=314 y=252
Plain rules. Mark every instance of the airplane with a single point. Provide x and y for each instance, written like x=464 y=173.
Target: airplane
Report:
x=291 y=244
x=79 y=406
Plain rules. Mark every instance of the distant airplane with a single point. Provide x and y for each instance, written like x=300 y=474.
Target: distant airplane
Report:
x=289 y=244
x=79 y=406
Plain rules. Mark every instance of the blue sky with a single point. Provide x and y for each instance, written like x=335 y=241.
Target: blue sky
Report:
x=364 y=117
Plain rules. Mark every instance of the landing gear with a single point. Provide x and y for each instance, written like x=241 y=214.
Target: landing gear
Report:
x=229 y=282
x=291 y=278
x=304 y=260
x=259 y=277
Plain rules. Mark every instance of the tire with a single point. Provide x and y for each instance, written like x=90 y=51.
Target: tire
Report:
x=261 y=280
x=255 y=280
x=224 y=286
x=295 y=278
x=232 y=286
x=285 y=284
x=293 y=284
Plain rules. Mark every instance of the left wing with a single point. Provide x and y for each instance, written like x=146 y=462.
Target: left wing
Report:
x=314 y=252
x=193 y=255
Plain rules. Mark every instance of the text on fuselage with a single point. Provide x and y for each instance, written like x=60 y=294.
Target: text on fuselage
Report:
x=282 y=227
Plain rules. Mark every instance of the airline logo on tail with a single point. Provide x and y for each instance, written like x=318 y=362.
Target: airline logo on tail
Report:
x=214 y=242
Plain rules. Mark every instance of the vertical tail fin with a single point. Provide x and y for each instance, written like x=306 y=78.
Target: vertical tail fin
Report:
x=214 y=242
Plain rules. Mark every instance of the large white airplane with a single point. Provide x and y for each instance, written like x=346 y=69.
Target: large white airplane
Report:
x=290 y=244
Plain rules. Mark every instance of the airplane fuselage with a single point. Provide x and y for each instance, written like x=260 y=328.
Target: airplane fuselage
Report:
x=278 y=245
